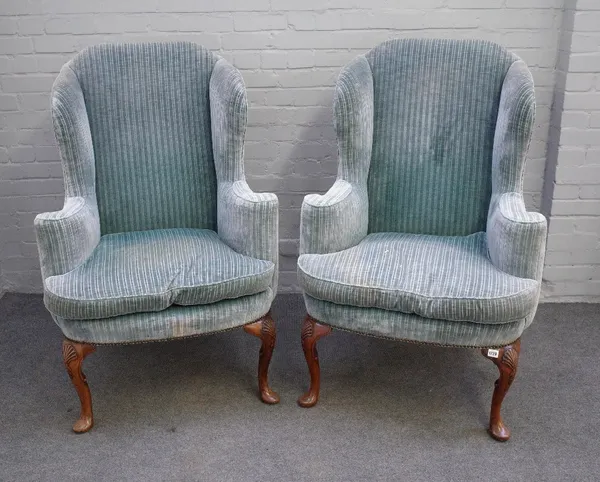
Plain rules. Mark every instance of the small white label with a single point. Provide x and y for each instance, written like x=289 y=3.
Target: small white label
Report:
x=492 y=353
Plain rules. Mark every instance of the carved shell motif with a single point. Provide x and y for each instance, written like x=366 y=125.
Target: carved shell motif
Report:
x=510 y=359
x=69 y=355
x=307 y=330
x=267 y=331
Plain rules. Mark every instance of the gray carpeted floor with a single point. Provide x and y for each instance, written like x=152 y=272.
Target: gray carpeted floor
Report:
x=188 y=410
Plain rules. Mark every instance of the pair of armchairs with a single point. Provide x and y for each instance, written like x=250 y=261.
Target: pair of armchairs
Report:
x=424 y=236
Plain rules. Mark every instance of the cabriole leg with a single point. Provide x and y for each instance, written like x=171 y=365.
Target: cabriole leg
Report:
x=507 y=361
x=73 y=355
x=265 y=330
x=311 y=332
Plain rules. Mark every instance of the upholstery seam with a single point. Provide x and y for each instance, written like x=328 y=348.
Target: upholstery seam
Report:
x=416 y=294
x=514 y=221
x=333 y=205
x=417 y=342
x=420 y=316
x=81 y=203
x=158 y=340
x=450 y=320
x=271 y=269
x=245 y=183
x=158 y=311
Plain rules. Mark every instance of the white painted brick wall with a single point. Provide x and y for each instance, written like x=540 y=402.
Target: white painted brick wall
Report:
x=289 y=52
x=573 y=261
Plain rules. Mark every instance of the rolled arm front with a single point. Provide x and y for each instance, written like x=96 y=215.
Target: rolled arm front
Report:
x=334 y=221
x=516 y=238
x=66 y=238
x=248 y=221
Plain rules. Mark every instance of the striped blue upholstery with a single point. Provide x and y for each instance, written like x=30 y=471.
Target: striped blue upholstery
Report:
x=410 y=327
x=158 y=99
x=157 y=210
x=432 y=137
x=174 y=322
x=433 y=133
x=449 y=278
x=152 y=270
x=247 y=221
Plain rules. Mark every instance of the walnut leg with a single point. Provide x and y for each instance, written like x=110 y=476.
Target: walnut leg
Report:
x=265 y=330
x=507 y=361
x=311 y=332
x=73 y=355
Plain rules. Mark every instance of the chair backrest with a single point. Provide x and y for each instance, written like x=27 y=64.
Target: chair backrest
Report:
x=435 y=109
x=149 y=114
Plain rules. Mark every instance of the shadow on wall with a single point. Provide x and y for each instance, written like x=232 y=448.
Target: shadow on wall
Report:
x=303 y=159
x=35 y=184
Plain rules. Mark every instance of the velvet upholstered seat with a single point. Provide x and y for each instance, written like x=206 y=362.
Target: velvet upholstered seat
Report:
x=448 y=278
x=160 y=237
x=425 y=235
x=144 y=271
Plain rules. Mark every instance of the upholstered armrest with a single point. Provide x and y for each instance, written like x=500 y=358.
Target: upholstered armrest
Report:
x=516 y=238
x=66 y=238
x=249 y=222
x=339 y=219
x=334 y=221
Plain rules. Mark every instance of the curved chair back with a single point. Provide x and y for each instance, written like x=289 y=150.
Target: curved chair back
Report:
x=435 y=110
x=149 y=115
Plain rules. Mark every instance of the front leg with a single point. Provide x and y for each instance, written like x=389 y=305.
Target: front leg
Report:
x=507 y=361
x=311 y=332
x=265 y=330
x=73 y=355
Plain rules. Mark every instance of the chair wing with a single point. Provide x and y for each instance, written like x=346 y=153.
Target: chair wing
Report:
x=66 y=238
x=247 y=221
x=339 y=219
x=516 y=238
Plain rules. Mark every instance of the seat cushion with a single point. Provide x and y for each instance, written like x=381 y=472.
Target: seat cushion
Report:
x=446 y=278
x=410 y=327
x=174 y=322
x=151 y=270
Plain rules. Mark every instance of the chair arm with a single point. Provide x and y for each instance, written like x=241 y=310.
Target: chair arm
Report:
x=249 y=222
x=66 y=238
x=334 y=221
x=228 y=119
x=516 y=238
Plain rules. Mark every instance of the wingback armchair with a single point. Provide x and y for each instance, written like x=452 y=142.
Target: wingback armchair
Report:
x=424 y=236
x=160 y=236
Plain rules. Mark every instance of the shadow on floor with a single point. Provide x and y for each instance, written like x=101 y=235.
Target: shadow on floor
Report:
x=189 y=410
